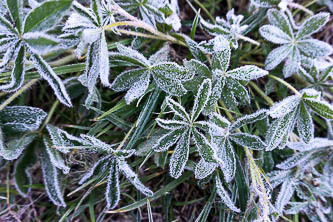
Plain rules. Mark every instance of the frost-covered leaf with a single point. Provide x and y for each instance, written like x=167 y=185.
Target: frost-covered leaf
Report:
x=162 y=55
x=285 y=106
x=173 y=87
x=296 y=207
x=201 y=98
x=279 y=130
x=180 y=155
x=16 y=12
x=96 y=143
x=112 y=187
x=195 y=49
x=204 y=147
x=168 y=140
x=292 y=63
x=305 y=125
x=178 y=109
x=14 y=148
x=61 y=139
x=313 y=25
x=99 y=167
x=320 y=107
x=224 y=195
x=55 y=157
x=171 y=70
x=51 y=179
x=227 y=155
x=6 y=25
x=170 y=124
x=21 y=118
x=274 y=34
x=51 y=77
x=279 y=176
x=10 y=54
x=46 y=15
x=221 y=58
x=285 y=194
x=220 y=121
x=198 y=68
x=280 y=20
x=314 y=48
x=39 y=42
x=130 y=55
x=315 y=143
x=251 y=141
x=85 y=12
x=276 y=56
x=104 y=66
x=17 y=75
x=204 y=169
x=126 y=79
x=248 y=72
x=295 y=160
x=22 y=175
x=250 y=118
x=133 y=178
x=265 y=3
x=137 y=89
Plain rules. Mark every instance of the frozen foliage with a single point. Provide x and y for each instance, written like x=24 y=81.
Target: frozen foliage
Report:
x=293 y=46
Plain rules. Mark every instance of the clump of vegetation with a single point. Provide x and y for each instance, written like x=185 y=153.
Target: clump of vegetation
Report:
x=159 y=111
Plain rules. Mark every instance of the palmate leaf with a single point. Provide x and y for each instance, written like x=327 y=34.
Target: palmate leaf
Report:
x=178 y=109
x=205 y=149
x=97 y=169
x=5 y=25
x=15 y=147
x=277 y=55
x=138 y=88
x=180 y=155
x=285 y=194
x=113 y=188
x=10 y=54
x=292 y=63
x=250 y=118
x=224 y=195
x=39 y=42
x=248 y=72
x=21 y=118
x=274 y=34
x=16 y=12
x=17 y=75
x=320 y=107
x=314 y=48
x=45 y=16
x=203 y=169
x=55 y=157
x=55 y=82
x=295 y=160
x=313 y=25
x=285 y=106
x=22 y=175
x=51 y=179
x=221 y=58
x=201 y=98
x=280 y=20
x=305 y=126
x=168 y=140
x=251 y=141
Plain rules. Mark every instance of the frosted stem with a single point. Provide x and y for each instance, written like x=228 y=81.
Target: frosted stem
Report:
x=301 y=7
x=286 y=84
x=248 y=39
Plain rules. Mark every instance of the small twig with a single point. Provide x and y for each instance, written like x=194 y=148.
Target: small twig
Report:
x=248 y=39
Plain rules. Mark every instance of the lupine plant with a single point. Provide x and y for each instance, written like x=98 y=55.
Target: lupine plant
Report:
x=197 y=118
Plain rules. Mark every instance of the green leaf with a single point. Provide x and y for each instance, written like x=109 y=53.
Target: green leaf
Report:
x=314 y=48
x=227 y=155
x=322 y=108
x=203 y=169
x=178 y=109
x=55 y=157
x=113 y=188
x=173 y=87
x=224 y=195
x=170 y=124
x=221 y=58
x=18 y=73
x=16 y=12
x=280 y=20
x=180 y=155
x=21 y=118
x=45 y=16
x=6 y=25
x=55 y=82
x=171 y=70
x=285 y=106
x=285 y=194
x=247 y=73
x=251 y=141
x=204 y=147
x=279 y=130
x=274 y=34
x=15 y=147
x=250 y=118
x=51 y=179
x=168 y=140
x=126 y=79
x=305 y=125
x=195 y=49
x=313 y=25
x=96 y=7
x=197 y=68
x=203 y=216
x=40 y=43
x=22 y=175
x=277 y=55
x=129 y=55
x=201 y=98
x=138 y=89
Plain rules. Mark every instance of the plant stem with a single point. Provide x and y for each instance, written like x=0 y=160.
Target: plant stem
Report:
x=261 y=93
x=205 y=10
x=285 y=83
x=301 y=7
x=49 y=115
x=17 y=93
x=239 y=36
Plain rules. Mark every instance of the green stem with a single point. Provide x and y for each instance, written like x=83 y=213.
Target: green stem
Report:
x=205 y=10
x=261 y=93
x=285 y=83
x=49 y=115
x=17 y=93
